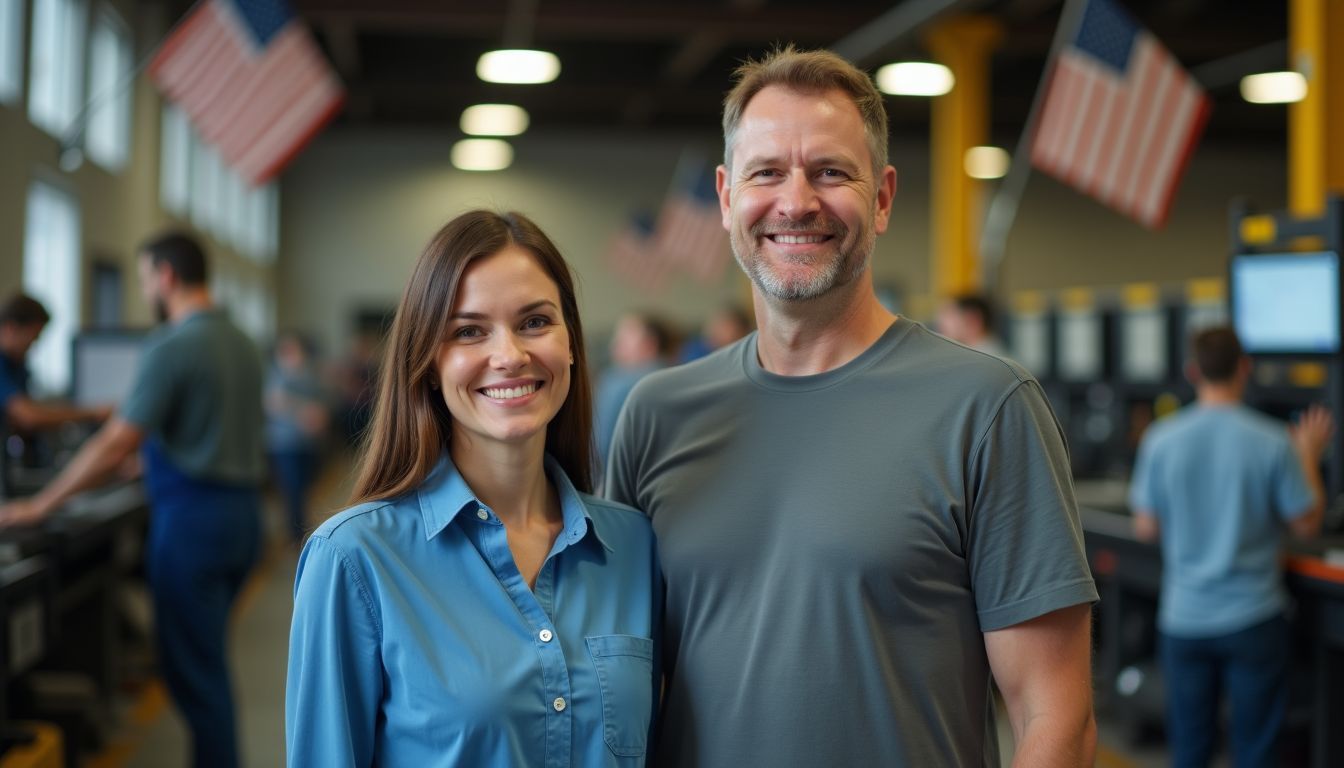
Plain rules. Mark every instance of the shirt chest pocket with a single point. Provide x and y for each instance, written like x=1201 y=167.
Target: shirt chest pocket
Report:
x=624 y=665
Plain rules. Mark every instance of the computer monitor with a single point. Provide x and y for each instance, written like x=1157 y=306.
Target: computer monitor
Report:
x=1143 y=345
x=1081 y=356
x=1286 y=303
x=103 y=365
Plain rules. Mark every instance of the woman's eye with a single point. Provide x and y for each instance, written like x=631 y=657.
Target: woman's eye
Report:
x=467 y=332
x=536 y=322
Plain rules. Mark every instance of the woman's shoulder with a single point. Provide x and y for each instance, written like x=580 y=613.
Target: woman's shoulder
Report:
x=362 y=521
x=616 y=517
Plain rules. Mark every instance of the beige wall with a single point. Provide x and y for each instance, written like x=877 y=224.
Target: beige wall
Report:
x=358 y=207
x=1064 y=239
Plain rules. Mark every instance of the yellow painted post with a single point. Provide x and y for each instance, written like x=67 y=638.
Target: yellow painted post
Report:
x=960 y=121
x=1334 y=97
x=1307 y=150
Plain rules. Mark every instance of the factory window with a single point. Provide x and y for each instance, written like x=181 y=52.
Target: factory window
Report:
x=11 y=50
x=108 y=134
x=51 y=275
x=55 y=84
x=175 y=142
x=207 y=172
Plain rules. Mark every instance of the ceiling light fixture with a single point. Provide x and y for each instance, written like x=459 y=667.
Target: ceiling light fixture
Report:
x=1274 y=87
x=519 y=66
x=986 y=162
x=915 y=78
x=494 y=120
x=482 y=155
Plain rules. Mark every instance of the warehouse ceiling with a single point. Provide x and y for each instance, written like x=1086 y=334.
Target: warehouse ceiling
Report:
x=663 y=65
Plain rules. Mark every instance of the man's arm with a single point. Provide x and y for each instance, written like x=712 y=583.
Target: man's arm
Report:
x=103 y=452
x=1145 y=525
x=28 y=415
x=1043 y=667
x=1310 y=435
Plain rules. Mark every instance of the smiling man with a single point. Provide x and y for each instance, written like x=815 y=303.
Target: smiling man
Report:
x=859 y=522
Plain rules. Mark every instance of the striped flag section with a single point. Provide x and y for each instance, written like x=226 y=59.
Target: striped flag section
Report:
x=690 y=231
x=252 y=80
x=1121 y=117
x=633 y=257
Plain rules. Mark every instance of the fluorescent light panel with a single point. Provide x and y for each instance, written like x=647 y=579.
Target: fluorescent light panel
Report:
x=986 y=162
x=1274 y=87
x=915 y=78
x=482 y=155
x=517 y=66
x=494 y=120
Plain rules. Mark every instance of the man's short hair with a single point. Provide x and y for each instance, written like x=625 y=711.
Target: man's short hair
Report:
x=978 y=305
x=181 y=253
x=22 y=309
x=1217 y=353
x=808 y=72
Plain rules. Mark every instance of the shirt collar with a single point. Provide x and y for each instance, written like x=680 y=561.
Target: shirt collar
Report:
x=445 y=494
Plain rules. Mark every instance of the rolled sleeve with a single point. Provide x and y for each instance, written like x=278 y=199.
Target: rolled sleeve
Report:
x=335 y=678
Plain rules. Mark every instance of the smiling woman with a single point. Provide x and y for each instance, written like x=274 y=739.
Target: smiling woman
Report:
x=476 y=589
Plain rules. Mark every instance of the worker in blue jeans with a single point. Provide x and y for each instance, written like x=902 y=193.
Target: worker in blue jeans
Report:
x=1218 y=484
x=196 y=410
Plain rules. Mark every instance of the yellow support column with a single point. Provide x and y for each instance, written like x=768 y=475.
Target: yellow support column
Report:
x=1334 y=98
x=960 y=121
x=1316 y=164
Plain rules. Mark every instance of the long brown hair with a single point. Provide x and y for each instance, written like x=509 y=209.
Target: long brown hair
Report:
x=410 y=428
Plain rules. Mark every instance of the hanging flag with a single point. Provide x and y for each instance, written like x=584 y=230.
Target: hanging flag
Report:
x=634 y=257
x=690 y=231
x=251 y=79
x=1121 y=116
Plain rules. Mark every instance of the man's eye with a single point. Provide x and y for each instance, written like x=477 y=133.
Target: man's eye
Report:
x=834 y=173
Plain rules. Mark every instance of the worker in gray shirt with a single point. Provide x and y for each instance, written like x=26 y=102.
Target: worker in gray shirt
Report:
x=196 y=411
x=859 y=522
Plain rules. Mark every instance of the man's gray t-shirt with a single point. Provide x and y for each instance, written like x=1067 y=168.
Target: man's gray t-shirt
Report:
x=835 y=545
x=198 y=392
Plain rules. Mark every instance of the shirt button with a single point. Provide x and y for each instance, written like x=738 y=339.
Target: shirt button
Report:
x=481 y=513
x=545 y=635
x=559 y=705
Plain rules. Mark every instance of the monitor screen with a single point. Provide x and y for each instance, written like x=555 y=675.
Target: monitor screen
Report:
x=1029 y=342
x=1080 y=346
x=1143 y=345
x=1286 y=302
x=104 y=365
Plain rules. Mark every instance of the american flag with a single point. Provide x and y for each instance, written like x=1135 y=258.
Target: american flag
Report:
x=1120 y=117
x=633 y=257
x=690 y=231
x=253 y=82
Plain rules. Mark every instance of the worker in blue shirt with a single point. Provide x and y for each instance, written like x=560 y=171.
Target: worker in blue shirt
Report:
x=22 y=319
x=1218 y=485
x=476 y=606
x=195 y=410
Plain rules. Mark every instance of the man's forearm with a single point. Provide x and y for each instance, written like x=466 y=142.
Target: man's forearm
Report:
x=1064 y=742
x=89 y=467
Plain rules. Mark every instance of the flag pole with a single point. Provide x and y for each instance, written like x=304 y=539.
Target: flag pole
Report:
x=1003 y=208
x=71 y=155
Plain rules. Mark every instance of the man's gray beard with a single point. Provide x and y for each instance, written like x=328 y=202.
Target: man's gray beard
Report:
x=847 y=267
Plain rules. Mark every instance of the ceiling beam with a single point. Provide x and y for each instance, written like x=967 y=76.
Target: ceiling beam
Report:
x=594 y=21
